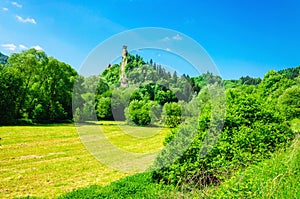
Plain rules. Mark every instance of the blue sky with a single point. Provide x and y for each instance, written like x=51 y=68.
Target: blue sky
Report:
x=242 y=37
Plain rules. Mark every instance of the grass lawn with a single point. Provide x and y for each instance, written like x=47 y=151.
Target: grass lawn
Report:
x=49 y=160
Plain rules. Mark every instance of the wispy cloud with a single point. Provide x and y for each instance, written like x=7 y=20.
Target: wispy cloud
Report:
x=166 y=39
x=16 y=4
x=177 y=37
x=10 y=47
x=5 y=9
x=22 y=47
x=25 y=20
x=37 y=47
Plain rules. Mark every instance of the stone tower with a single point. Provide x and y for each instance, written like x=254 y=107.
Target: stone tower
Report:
x=123 y=78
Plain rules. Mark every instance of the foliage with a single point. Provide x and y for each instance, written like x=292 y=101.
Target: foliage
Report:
x=274 y=84
x=139 y=112
x=289 y=102
x=135 y=186
x=103 y=109
x=171 y=114
x=10 y=87
x=112 y=74
x=277 y=177
x=3 y=58
x=42 y=85
x=251 y=132
x=290 y=73
x=250 y=80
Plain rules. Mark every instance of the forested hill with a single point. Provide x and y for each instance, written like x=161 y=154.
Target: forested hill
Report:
x=290 y=73
x=40 y=88
x=3 y=58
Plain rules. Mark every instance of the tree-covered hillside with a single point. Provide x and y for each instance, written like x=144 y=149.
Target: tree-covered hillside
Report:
x=3 y=58
x=240 y=122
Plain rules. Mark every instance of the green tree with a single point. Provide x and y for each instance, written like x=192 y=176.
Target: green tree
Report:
x=103 y=108
x=171 y=114
x=47 y=86
x=139 y=112
x=102 y=87
x=112 y=74
x=10 y=87
x=289 y=102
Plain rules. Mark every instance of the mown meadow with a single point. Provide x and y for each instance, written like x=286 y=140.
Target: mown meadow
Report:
x=49 y=160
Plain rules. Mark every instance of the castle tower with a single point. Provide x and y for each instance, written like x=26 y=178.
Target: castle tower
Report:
x=123 y=78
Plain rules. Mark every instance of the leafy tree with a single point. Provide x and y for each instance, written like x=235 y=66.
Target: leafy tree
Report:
x=273 y=84
x=112 y=74
x=103 y=108
x=139 y=112
x=250 y=81
x=175 y=77
x=290 y=73
x=172 y=114
x=289 y=102
x=10 y=87
x=92 y=83
x=163 y=95
x=119 y=101
x=102 y=87
x=47 y=86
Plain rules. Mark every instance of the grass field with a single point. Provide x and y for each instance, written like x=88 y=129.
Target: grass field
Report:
x=49 y=160
x=276 y=177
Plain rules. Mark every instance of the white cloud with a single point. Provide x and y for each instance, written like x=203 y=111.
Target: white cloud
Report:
x=10 y=47
x=5 y=9
x=37 y=47
x=22 y=47
x=174 y=38
x=177 y=37
x=26 y=20
x=166 y=39
x=16 y=4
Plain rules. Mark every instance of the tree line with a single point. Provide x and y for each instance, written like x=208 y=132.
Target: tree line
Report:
x=35 y=88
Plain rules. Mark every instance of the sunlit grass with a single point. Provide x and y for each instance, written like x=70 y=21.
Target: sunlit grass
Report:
x=47 y=161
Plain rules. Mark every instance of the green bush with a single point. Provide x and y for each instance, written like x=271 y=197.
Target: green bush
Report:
x=139 y=112
x=250 y=133
x=171 y=114
x=136 y=186
x=289 y=102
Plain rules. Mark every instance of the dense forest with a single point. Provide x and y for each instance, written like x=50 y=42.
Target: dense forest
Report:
x=35 y=88
x=220 y=125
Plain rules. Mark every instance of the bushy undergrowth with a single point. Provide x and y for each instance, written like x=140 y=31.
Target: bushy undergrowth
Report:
x=250 y=134
x=136 y=186
x=277 y=177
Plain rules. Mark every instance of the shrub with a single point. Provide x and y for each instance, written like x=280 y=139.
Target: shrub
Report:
x=250 y=134
x=171 y=114
x=138 y=112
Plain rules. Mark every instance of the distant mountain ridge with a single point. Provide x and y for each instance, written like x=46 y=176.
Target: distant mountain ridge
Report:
x=3 y=58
